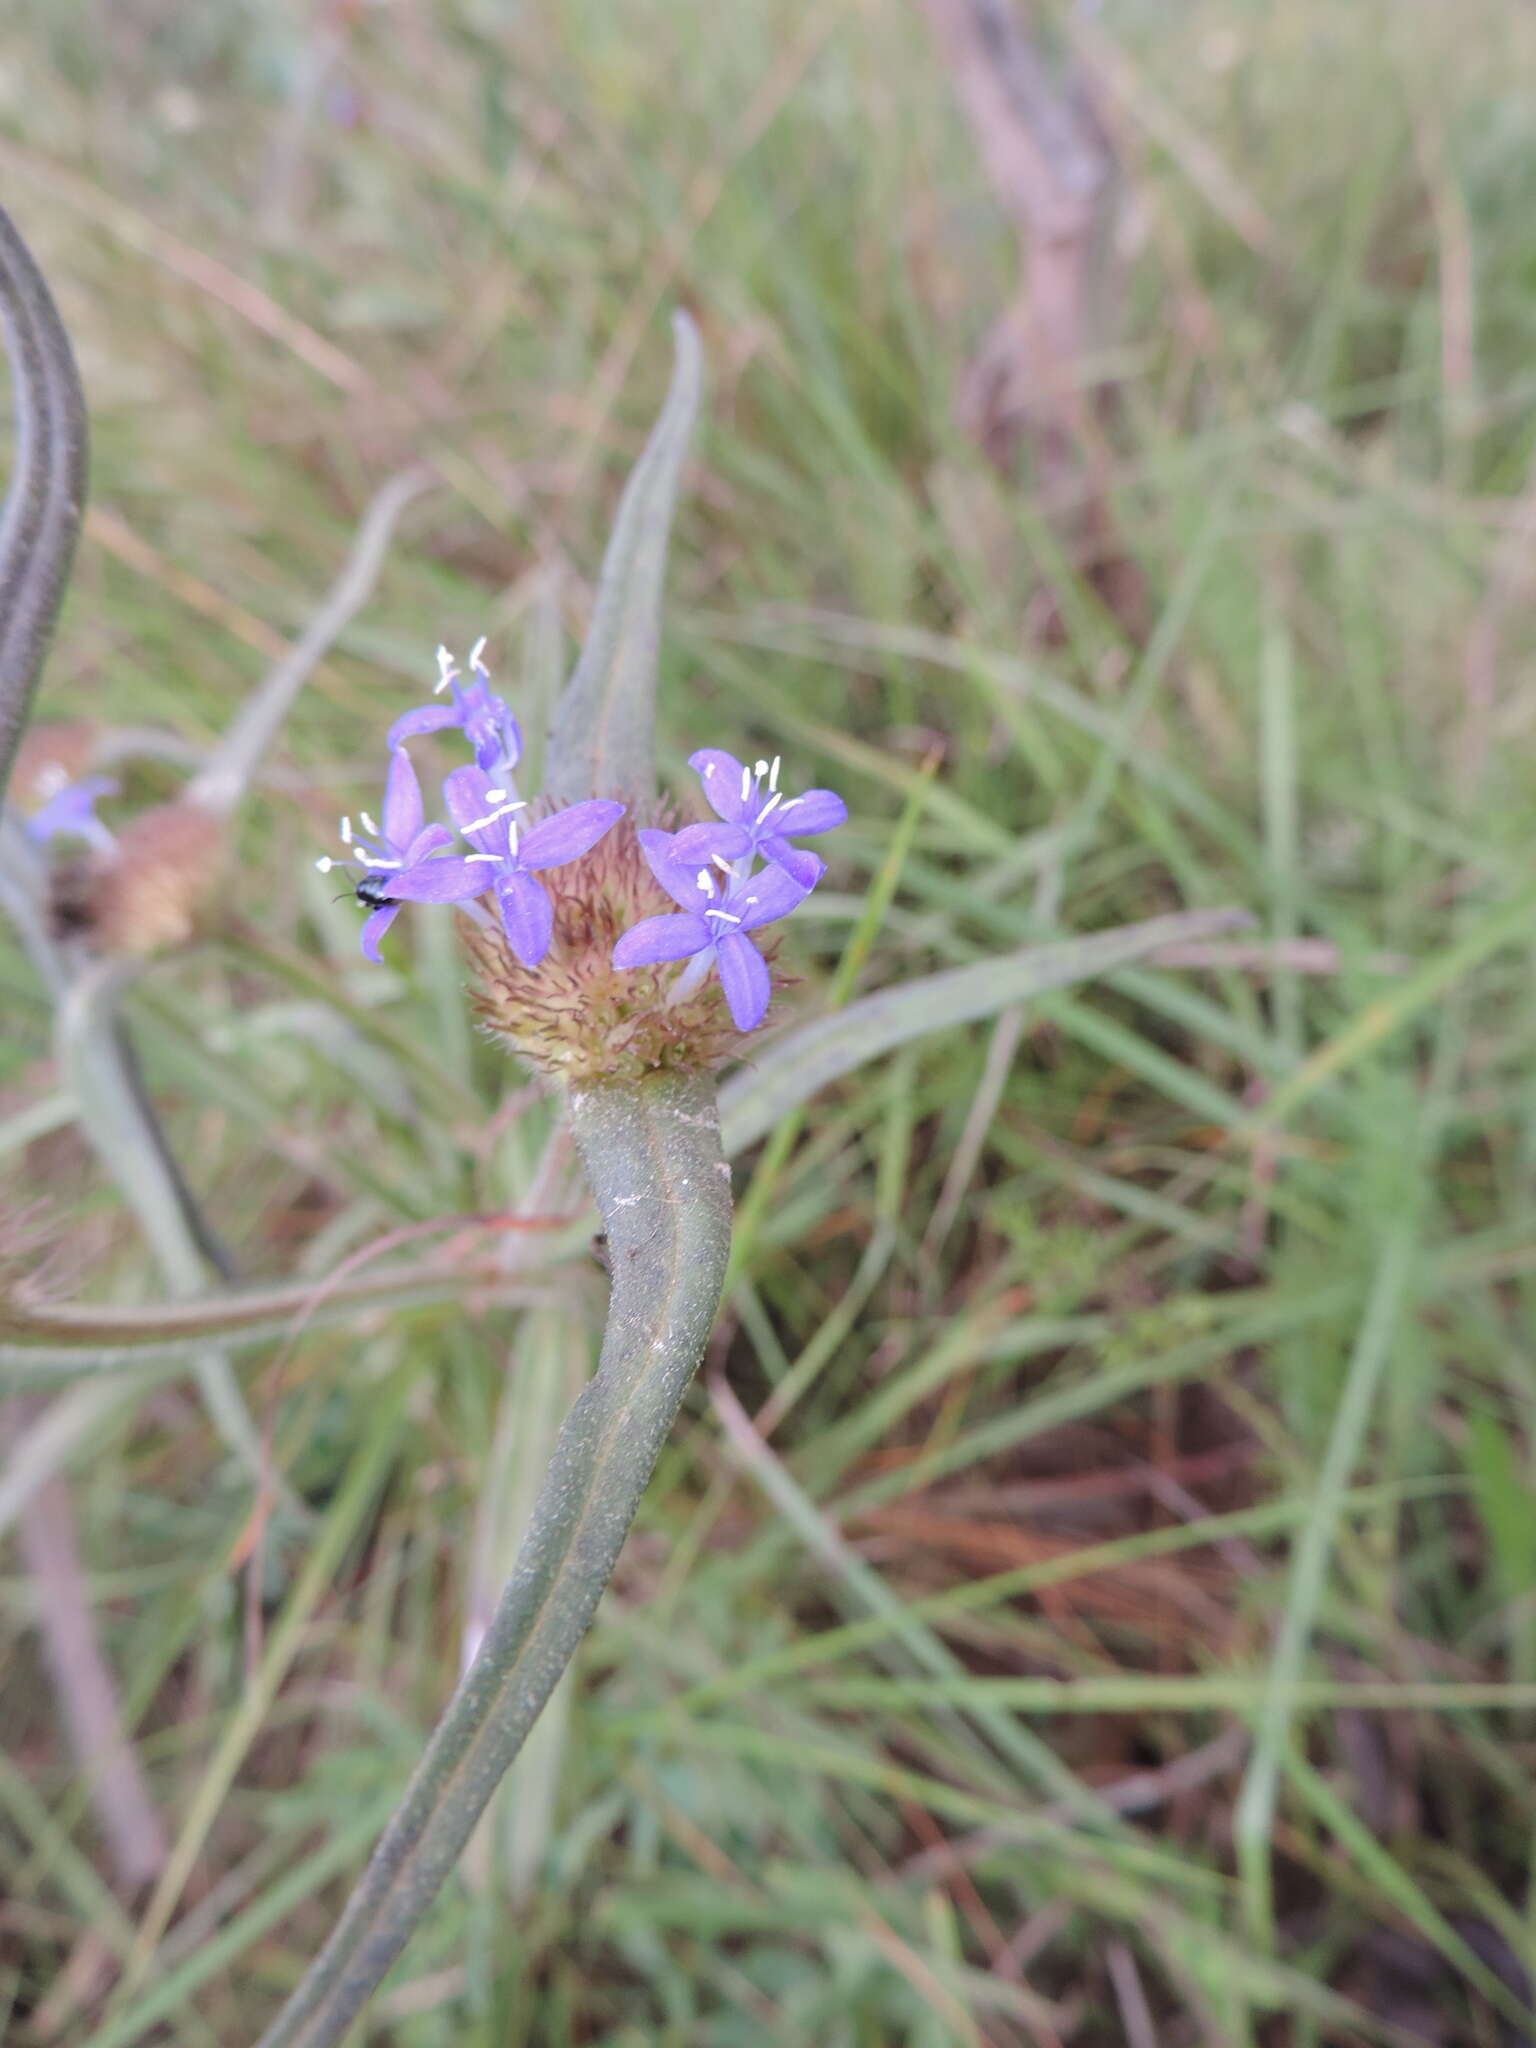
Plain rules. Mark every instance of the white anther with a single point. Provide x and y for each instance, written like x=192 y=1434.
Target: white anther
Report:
x=761 y=769
x=369 y=825
x=445 y=671
x=493 y=858
x=772 y=805
x=724 y=916
x=377 y=860
x=706 y=881
x=346 y=831
x=773 y=772
x=494 y=796
x=51 y=778
x=503 y=811
x=476 y=651
x=721 y=862
x=746 y=784
x=325 y=863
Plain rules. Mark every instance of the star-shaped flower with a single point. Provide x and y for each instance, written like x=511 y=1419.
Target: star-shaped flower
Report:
x=506 y=860
x=401 y=852
x=68 y=809
x=718 y=910
x=757 y=817
x=484 y=718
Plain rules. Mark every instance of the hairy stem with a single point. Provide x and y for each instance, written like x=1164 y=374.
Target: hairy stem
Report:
x=652 y=1154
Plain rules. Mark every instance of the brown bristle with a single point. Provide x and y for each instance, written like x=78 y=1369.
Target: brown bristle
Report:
x=576 y=1015
x=148 y=893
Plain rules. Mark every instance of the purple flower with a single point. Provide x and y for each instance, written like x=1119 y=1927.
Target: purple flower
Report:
x=401 y=852
x=504 y=861
x=718 y=910
x=69 y=809
x=758 y=817
x=483 y=716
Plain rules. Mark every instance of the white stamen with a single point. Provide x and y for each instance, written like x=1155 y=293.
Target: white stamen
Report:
x=476 y=651
x=505 y=810
x=378 y=861
x=721 y=862
x=772 y=805
x=346 y=831
x=325 y=863
x=706 y=881
x=494 y=796
x=746 y=784
x=747 y=900
x=369 y=825
x=493 y=858
x=445 y=671
x=773 y=773
x=724 y=916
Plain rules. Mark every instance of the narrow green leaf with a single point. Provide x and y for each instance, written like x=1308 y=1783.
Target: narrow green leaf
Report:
x=652 y=1154
x=1253 y=1821
x=796 y=1066
x=97 y=1066
x=602 y=742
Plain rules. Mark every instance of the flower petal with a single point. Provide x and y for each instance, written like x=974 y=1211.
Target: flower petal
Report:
x=698 y=844
x=425 y=718
x=744 y=977
x=527 y=915
x=375 y=925
x=772 y=893
x=568 y=834
x=498 y=742
x=672 y=936
x=427 y=840
x=403 y=808
x=817 y=811
x=722 y=776
x=466 y=792
x=680 y=878
x=70 y=812
x=445 y=880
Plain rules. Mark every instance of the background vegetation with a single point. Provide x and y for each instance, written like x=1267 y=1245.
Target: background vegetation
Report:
x=1087 y=1377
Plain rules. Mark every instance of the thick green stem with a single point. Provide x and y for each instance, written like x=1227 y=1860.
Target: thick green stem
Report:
x=652 y=1154
x=47 y=490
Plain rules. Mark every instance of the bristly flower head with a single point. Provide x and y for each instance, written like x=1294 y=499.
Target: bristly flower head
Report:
x=719 y=908
x=483 y=717
x=579 y=1017
x=575 y=971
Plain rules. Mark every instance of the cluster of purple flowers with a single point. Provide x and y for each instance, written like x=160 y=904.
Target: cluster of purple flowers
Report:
x=709 y=870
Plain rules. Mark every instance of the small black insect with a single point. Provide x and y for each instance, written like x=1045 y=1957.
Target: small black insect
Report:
x=370 y=890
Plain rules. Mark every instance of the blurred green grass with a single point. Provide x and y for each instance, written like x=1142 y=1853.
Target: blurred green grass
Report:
x=299 y=251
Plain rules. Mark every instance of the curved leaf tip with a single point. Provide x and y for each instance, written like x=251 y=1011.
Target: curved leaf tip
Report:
x=602 y=741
